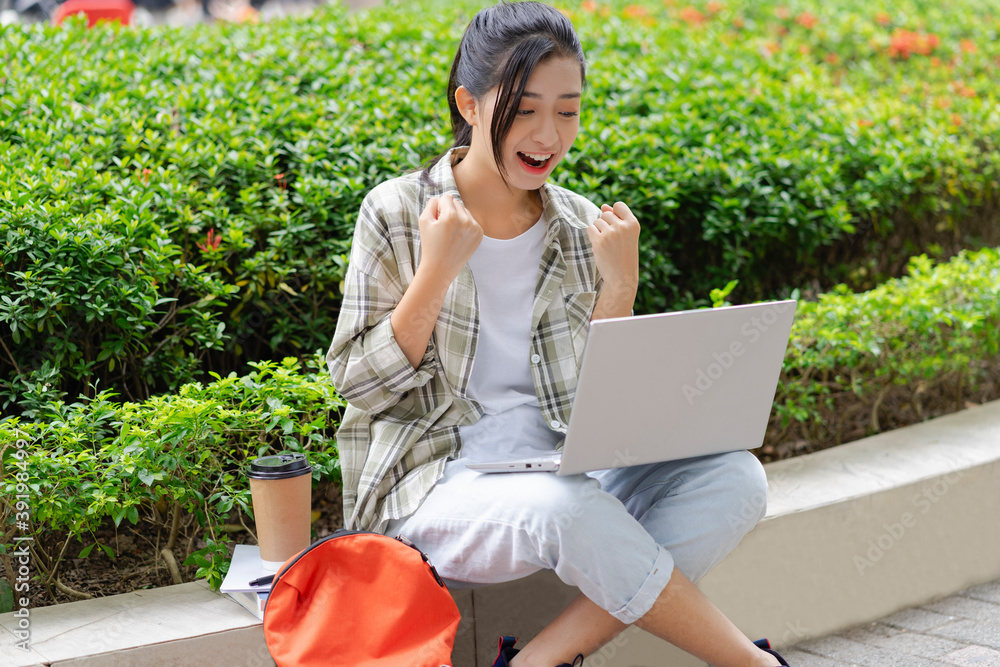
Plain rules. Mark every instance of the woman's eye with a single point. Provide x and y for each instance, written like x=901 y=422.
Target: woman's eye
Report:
x=524 y=112
x=570 y=114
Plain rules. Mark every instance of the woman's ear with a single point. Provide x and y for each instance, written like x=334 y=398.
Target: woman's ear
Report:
x=467 y=105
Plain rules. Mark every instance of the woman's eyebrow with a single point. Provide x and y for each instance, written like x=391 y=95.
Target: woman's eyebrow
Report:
x=564 y=96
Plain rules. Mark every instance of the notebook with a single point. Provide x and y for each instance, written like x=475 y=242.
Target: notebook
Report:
x=663 y=387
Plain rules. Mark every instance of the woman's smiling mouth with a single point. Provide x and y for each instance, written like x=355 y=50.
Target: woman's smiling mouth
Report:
x=535 y=161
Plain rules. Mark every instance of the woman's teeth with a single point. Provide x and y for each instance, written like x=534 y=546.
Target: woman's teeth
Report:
x=534 y=159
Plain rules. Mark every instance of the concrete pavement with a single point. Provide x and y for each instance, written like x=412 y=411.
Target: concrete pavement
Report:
x=962 y=630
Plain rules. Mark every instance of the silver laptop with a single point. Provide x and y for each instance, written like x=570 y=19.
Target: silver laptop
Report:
x=663 y=387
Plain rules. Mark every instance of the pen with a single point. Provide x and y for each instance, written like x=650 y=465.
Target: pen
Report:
x=261 y=581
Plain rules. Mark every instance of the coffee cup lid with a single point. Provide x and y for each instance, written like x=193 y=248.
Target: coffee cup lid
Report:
x=279 y=466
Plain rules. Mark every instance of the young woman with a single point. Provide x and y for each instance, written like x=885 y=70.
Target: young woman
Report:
x=469 y=293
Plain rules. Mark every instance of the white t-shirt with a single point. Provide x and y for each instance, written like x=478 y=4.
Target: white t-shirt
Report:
x=505 y=271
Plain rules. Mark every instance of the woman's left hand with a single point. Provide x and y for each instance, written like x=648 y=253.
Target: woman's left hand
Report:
x=615 y=239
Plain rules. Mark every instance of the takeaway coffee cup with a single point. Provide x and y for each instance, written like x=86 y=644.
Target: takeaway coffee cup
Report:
x=280 y=487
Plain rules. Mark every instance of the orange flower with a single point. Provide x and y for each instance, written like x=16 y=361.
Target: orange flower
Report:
x=806 y=20
x=589 y=6
x=832 y=59
x=905 y=43
x=715 y=7
x=883 y=18
x=692 y=16
x=738 y=23
x=956 y=120
x=782 y=13
x=935 y=61
x=211 y=241
x=968 y=45
x=803 y=49
x=281 y=181
x=864 y=122
x=942 y=103
x=145 y=175
x=635 y=11
x=772 y=47
x=962 y=90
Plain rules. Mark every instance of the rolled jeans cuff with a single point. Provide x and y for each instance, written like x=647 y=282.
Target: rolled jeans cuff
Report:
x=646 y=596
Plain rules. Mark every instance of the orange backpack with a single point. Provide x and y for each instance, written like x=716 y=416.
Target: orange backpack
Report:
x=355 y=599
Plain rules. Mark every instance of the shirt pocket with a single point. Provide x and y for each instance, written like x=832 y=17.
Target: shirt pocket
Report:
x=579 y=309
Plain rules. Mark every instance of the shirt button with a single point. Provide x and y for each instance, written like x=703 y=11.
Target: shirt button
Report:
x=555 y=424
x=535 y=358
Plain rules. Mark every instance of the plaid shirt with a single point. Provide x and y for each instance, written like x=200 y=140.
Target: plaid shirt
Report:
x=402 y=424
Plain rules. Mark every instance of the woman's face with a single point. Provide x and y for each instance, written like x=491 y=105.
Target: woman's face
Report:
x=546 y=124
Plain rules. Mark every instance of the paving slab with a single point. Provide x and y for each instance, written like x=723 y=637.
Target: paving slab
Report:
x=974 y=656
x=863 y=655
x=803 y=659
x=989 y=592
x=961 y=629
x=917 y=620
x=904 y=642
x=971 y=632
x=967 y=607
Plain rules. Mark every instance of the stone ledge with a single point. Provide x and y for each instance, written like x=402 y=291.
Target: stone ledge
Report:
x=188 y=624
x=852 y=534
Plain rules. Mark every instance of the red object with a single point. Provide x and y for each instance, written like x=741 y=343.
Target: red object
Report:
x=357 y=599
x=96 y=10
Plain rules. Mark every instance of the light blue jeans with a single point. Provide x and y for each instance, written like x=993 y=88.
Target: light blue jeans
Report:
x=615 y=534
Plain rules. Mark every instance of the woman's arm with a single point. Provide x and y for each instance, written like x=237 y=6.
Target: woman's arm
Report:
x=615 y=239
x=381 y=347
x=448 y=237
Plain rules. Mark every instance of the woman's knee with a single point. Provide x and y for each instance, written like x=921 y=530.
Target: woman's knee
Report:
x=747 y=484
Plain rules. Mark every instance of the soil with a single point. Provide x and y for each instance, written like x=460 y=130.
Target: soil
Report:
x=850 y=417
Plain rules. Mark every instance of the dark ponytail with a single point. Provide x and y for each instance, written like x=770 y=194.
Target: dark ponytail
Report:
x=501 y=48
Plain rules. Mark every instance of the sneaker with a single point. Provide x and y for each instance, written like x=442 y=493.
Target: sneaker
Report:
x=766 y=647
x=507 y=652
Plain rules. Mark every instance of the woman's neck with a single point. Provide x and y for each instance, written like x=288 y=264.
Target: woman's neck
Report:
x=502 y=212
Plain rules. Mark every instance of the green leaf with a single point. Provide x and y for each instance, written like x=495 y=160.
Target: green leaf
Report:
x=6 y=597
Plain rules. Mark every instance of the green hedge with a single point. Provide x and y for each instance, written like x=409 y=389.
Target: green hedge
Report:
x=179 y=201
x=174 y=464
x=912 y=348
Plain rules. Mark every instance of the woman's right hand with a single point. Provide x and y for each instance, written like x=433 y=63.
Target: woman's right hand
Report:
x=449 y=235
